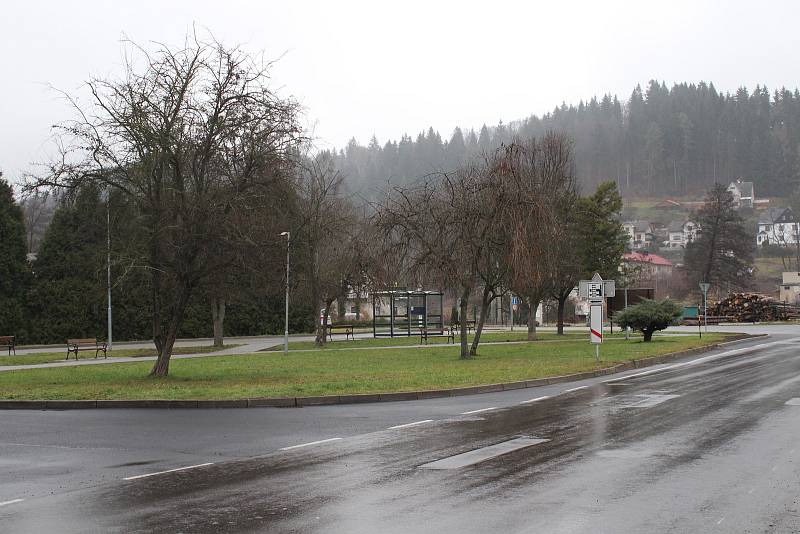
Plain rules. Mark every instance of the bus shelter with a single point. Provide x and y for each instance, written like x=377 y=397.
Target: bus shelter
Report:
x=400 y=312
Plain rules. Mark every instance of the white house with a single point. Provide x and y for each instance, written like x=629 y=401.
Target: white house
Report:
x=680 y=234
x=743 y=193
x=640 y=233
x=777 y=226
x=790 y=288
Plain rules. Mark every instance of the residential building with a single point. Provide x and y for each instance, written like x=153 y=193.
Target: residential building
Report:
x=777 y=226
x=743 y=193
x=640 y=234
x=790 y=288
x=649 y=270
x=680 y=234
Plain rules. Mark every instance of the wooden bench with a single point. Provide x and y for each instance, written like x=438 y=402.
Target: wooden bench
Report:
x=8 y=342
x=347 y=329
x=77 y=345
x=454 y=329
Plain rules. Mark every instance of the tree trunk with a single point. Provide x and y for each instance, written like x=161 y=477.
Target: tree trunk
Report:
x=155 y=295
x=465 y=354
x=454 y=312
x=486 y=300
x=533 y=304
x=648 y=334
x=218 y=318
x=161 y=367
x=562 y=301
x=322 y=327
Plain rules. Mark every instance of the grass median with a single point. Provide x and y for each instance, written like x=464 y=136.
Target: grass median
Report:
x=326 y=372
x=34 y=358
x=339 y=342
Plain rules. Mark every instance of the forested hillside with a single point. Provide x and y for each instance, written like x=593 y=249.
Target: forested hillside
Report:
x=660 y=141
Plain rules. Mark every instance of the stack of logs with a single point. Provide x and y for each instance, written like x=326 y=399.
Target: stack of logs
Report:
x=751 y=307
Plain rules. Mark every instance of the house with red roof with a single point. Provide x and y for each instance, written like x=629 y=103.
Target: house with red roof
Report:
x=649 y=270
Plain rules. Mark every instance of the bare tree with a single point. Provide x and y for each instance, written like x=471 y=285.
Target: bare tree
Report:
x=193 y=136
x=441 y=229
x=539 y=172
x=38 y=208
x=327 y=236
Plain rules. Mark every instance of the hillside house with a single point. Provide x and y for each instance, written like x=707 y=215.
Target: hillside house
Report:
x=777 y=226
x=640 y=234
x=680 y=234
x=743 y=193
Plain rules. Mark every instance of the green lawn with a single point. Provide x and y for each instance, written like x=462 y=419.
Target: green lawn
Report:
x=339 y=341
x=326 y=372
x=47 y=357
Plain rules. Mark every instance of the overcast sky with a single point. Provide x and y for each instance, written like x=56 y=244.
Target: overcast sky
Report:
x=388 y=68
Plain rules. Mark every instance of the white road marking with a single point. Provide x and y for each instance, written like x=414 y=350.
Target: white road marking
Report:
x=537 y=399
x=751 y=491
x=648 y=400
x=721 y=519
x=484 y=453
x=479 y=411
x=13 y=501
x=697 y=361
x=774 y=467
x=574 y=389
x=168 y=471
x=309 y=444
x=794 y=401
x=415 y=423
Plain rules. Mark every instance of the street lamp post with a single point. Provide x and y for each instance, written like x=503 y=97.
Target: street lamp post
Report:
x=286 y=321
x=108 y=268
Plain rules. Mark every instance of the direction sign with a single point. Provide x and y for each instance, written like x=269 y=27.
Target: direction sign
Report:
x=704 y=287
x=596 y=288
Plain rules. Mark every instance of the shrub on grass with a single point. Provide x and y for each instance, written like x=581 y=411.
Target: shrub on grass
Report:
x=649 y=316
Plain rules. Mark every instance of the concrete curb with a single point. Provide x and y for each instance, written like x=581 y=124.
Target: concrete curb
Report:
x=325 y=400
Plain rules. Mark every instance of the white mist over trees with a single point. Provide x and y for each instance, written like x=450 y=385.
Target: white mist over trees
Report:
x=661 y=141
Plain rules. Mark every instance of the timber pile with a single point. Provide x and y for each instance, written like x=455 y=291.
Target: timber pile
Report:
x=749 y=308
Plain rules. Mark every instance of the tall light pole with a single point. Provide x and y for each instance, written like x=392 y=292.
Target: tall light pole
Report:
x=108 y=266
x=286 y=322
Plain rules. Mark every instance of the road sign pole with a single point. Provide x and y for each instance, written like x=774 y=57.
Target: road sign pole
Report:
x=511 y=311
x=704 y=288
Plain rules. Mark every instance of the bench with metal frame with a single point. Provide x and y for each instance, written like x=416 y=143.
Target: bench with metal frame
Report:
x=77 y=345
x=8 y=342
x=348 y=331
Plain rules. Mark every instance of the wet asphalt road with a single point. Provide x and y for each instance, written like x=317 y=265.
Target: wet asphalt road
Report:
x=708 y=444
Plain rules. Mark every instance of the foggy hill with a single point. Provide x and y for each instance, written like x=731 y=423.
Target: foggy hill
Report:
x=660 y=141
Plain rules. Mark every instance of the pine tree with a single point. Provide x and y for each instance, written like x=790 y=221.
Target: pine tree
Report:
x=723 y=251
x=67 y=299
x=13 y=265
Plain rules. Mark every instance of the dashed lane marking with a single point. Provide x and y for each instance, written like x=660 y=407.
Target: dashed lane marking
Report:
x=168 y=471
x=310 y=443
x=479 y=411
x=406 y=425
x=483 y=454
x=537 y=399
x=794 y=401
x=575 y=389
x=12 y=501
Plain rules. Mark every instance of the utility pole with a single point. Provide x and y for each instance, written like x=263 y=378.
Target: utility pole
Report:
x=286 y=319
